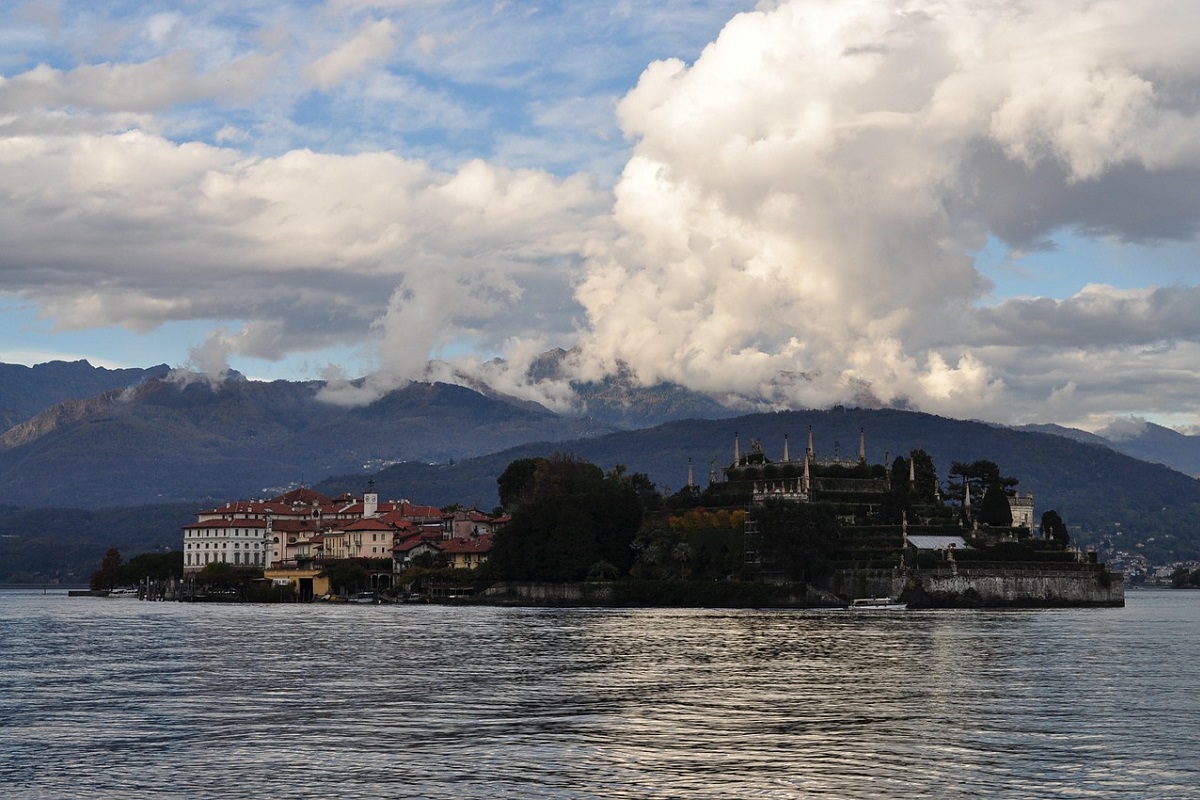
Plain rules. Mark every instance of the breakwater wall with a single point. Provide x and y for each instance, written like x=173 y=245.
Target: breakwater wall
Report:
x=975 y=587
x=1042 y=587
x=1032 y=586
x=658 y=593
x=548 y=594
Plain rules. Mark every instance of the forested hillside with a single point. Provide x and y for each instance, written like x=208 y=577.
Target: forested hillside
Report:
x=27 y=391
x=165 y=441
x=1098 y=492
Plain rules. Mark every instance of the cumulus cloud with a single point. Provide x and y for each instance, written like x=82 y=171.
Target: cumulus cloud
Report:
x=1130 y=427
x=799 y=213
x=794 y=218
x=310 y=250
x=212 y=357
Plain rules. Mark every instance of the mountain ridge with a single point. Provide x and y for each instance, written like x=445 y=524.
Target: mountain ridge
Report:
x=26 y=391
x=164 y=440
x=188 y=439
x=1099 y=491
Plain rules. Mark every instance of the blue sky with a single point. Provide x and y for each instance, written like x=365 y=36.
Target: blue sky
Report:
x=982 y=210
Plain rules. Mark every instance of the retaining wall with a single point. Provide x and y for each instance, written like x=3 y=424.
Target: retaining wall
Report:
x=1028 y=587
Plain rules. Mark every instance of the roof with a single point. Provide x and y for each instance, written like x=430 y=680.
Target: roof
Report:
x=924 y=542
x=412 y=543
x=303 y=495
x=405 y=510
x=227 y=523
x=296 y=525
x=481 y=544
x=367 y=524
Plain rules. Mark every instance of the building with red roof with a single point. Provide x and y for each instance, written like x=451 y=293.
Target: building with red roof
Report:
x=303 y=528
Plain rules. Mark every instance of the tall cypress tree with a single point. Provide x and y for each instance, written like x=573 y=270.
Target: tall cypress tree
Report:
x=995 y=510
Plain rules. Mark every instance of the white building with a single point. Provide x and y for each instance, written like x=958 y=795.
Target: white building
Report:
x=299 y=526
x=240 y=542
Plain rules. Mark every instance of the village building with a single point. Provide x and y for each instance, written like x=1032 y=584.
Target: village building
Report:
x=293 y=536
x=467 y=552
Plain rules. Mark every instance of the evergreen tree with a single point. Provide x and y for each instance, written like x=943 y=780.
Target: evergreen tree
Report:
x=994 y=510
x=927 y=490
x=979 y=475
x=105 y=579
x=1054 y=528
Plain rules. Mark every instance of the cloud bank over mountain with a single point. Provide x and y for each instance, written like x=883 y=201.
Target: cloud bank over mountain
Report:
x=802 y=204
x=791 y=215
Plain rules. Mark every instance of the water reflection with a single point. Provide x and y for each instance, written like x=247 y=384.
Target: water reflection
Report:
x=109 y=700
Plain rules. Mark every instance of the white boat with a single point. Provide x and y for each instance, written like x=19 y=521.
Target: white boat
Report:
x=368 y=598
x=878 y=604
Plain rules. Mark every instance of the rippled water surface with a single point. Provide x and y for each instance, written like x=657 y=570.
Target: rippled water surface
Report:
x=125 y=699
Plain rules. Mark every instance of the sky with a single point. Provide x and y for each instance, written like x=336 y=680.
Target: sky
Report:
x=983 y=209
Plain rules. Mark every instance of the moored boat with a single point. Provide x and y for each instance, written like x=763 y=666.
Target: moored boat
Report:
x=878 y=604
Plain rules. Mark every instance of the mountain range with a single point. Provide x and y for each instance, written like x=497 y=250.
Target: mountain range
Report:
x=169 y=439
x=27 y=391
x=157 y=437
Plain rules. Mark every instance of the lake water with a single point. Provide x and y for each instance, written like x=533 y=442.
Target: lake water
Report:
x=125 y=699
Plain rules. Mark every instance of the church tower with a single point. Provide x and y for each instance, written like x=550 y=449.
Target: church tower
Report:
x=370 y=501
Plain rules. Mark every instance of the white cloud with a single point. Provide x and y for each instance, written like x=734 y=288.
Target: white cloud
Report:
x=804 y=198
x=148 y=86
x=305 y=248
x=212 y=357
x=1124 y=428
x=374 y=42
x=793 y=216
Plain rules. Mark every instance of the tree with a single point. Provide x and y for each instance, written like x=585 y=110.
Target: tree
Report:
x=430 y=561
x=661 y=551
x=646 y=491
x=155 y=566
x=1054 y=528
x=979 y=475
x=994 y=509
x=570 y=516
x=797 y=537
x=927 y=491
x=346 y=577
x=105 y=579
x=905 y=495
x=516 y=482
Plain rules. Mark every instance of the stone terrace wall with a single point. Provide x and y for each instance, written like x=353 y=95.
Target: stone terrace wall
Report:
x=1048 y=587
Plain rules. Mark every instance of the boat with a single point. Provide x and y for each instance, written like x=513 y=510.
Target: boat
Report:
x=878 y=604
x=365 y=598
